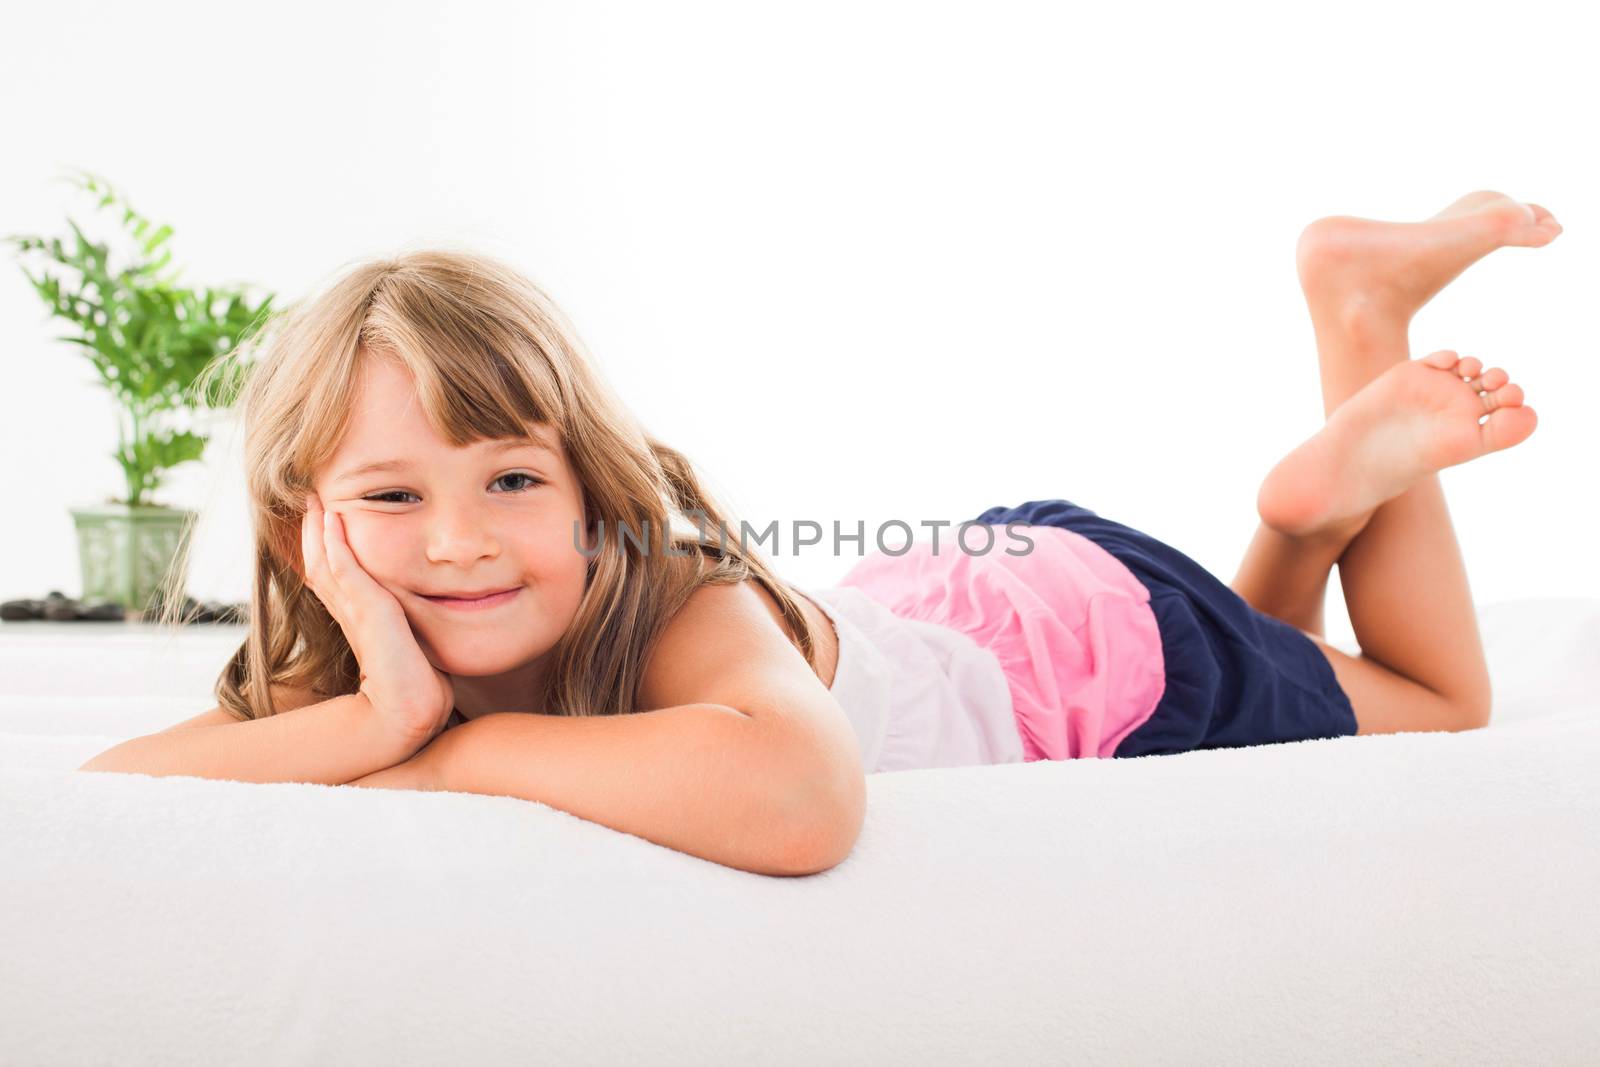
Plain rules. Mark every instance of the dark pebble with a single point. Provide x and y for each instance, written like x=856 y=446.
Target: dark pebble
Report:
x=58 y=607
x=21 y=610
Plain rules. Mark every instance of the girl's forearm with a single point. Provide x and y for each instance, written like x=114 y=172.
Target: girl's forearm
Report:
x=329 y=743
x=701 y=778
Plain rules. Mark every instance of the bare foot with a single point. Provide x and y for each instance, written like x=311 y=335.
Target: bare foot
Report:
x=1356 y=269
x=1416 y=417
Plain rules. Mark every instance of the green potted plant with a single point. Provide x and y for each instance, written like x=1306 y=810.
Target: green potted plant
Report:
x=149 y=339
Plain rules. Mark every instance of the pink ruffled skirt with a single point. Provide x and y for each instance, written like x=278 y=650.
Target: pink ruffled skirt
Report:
x=1070 y=625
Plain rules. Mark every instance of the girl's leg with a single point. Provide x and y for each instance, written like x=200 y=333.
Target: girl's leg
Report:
x=1421 y=665
x=1287 y=577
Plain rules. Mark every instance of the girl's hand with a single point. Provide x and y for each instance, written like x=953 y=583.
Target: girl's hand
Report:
x=410 y=694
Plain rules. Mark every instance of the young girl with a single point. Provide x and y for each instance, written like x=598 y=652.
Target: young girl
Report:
x=475 y=571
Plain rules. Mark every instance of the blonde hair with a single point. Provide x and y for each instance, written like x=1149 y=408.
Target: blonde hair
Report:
x=490 y=353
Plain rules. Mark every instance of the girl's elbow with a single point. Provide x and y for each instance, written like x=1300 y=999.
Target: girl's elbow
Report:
x=827 y=833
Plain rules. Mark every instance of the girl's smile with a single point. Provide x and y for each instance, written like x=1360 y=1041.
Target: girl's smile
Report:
x=474 y=602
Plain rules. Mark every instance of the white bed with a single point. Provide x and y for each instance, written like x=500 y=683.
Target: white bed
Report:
x=1418 y=898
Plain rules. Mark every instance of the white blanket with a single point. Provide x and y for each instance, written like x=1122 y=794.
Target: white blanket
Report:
x=1417 y=898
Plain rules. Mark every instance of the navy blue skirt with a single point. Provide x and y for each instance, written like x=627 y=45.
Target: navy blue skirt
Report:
x=1235 y=676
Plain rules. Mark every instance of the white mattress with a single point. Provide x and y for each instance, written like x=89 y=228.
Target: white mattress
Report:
x=1416 y=898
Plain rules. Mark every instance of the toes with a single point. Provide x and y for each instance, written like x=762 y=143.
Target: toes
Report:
x=1469 y=367
x=1492 y=379
x=1507 y=396
x=1541 y=231
x=1507 y=426
x=1444 y=359
x=1541 y=217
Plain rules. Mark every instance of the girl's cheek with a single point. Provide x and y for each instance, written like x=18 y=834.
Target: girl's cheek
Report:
x=376 y=547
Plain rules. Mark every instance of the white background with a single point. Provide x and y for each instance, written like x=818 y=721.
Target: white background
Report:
x=858 y=261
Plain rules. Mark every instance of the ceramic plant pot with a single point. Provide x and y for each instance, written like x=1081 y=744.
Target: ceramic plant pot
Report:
x=125 y=552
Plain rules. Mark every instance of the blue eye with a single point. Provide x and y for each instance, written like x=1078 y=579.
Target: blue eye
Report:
x=527 y=478
x=382 y=498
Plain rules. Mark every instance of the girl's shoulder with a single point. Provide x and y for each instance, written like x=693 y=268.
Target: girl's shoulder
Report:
x=727 y=626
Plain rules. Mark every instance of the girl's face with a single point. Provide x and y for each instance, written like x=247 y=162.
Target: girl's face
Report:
x=430 y=521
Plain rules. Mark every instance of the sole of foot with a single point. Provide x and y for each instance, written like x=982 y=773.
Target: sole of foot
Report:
x=1417 y=417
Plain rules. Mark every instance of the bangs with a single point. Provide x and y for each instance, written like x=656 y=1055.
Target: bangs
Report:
x=478 y=377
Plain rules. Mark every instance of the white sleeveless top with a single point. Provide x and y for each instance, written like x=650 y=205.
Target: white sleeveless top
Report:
x=918 y=694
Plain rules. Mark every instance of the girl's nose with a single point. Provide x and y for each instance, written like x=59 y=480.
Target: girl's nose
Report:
x=458 y=535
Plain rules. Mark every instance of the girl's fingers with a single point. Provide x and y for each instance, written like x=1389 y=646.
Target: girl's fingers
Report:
x=311 y=540
x=312 y=549
x=352 y=578
x=333 y=546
